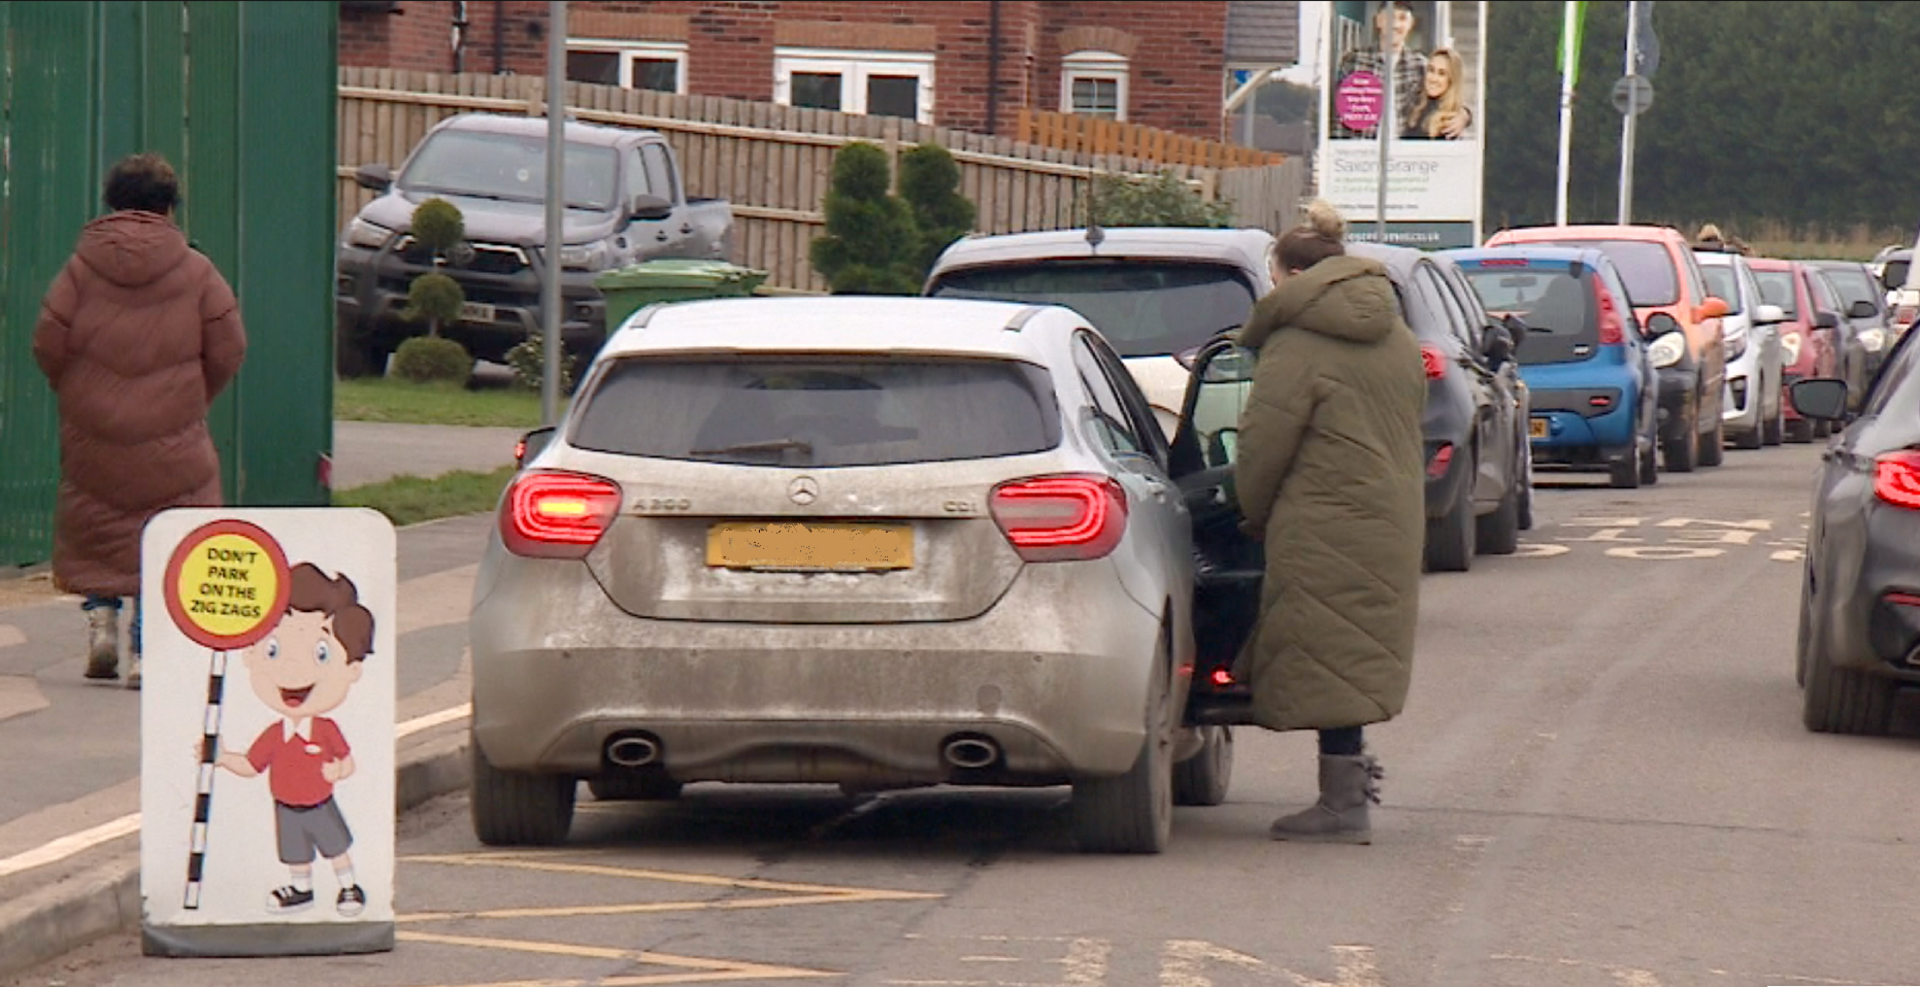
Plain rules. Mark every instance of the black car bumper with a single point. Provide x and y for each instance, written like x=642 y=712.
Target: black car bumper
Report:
x=370 y=292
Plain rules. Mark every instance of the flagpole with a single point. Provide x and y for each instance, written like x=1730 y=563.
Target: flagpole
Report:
x=1569 y=62
x=1627 y=125
x=1389 y=122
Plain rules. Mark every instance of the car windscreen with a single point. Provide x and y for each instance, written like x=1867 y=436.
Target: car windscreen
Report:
x=1854 y=285
x=1556 y=304
x=818 y=412
x=1645 y=266
x=510 y=168
x=1142 y=307
x=1720 y=284
x=1776 y=288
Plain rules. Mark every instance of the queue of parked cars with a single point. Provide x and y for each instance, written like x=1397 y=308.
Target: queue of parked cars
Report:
x=1002 y=549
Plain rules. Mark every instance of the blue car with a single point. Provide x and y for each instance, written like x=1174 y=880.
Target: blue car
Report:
x=1583 y=355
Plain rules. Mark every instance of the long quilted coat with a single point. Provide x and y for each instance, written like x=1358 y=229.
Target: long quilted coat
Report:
x=137 y=335
x=1329 y=476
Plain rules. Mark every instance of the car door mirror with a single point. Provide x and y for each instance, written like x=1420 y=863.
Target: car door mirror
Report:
x=377 y=177
x=649 y=207
x=1712 y=308
x=1498 y=347
x=1862 y=309
x=1824 y=398
x=1826 y=320
x=530 y=446
x=1217 y=389
x=1766 y=315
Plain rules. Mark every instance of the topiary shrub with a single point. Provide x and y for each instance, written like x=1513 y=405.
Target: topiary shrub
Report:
x=434 y=298
x=930 y=184
x=438 y=225
x=432 y=358
x=528 y=360
x=870 y=244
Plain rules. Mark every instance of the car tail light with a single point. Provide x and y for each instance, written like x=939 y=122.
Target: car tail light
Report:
x=1061 y=518
x=1502 y=262
x=1222 y=677
x=553 y=515
x=1599 y=401
x=1904 y=315
x=1613 y=328
x=1433 y=361
x=1442 y=458
x=1896 y=478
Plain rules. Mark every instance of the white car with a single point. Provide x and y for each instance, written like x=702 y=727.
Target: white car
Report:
x=1753 y=406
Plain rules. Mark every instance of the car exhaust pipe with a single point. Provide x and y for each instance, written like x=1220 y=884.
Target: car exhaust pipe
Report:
x=970 y=753
x=633 y=752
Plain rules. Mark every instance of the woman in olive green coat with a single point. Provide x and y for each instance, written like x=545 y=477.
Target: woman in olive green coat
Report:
x=1329 y=477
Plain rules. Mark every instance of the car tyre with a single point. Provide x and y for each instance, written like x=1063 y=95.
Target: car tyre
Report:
x=1203 y=778
x=1449 y=544
x=1773 y=431
x=634 y=786
x=358 y=356
x=1683 y=448
x=1624 y=473
x=1749 y=440
x=1803 y=638
x=1800 y=431
x=1133 y=813
x=1845 y=700
x=518 y=808
x=1822 y=429
x=1650 y=464
x=1499 y=533
x=1713 y=448
x=1526 y=488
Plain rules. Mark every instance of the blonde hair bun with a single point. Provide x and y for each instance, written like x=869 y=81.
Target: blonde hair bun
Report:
x=1326 y=221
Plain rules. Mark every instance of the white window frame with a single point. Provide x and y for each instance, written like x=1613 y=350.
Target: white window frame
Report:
x=638 y=51
x=854 y=67
x=1103 y=66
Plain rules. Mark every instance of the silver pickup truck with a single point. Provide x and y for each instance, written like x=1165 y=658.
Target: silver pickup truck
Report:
x=625 y=203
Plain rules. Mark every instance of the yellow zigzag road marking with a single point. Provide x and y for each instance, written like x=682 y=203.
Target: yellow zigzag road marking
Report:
x=696 y=970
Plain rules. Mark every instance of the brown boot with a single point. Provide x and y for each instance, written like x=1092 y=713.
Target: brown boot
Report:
x=103 y=643
x=1346 y=788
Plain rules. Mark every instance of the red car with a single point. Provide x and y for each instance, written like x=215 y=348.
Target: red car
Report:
x=1809 y=339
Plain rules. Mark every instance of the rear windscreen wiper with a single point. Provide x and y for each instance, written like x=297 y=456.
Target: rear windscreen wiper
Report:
x=770 y=445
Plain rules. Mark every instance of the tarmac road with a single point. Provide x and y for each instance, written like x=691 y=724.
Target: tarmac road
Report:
x=1601 y=779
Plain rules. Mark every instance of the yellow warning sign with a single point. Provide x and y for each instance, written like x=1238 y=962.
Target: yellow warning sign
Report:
x=225 y=583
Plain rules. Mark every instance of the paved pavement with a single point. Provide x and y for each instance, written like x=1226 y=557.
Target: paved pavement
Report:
x=1600 y=780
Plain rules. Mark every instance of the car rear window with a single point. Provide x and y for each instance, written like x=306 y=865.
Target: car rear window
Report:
x=814 y=412
x=1143 y=308
x=1556 y=304
x=1896 y=272
x=1645 y=266
x=1721 y=284
x=1777 y=288
x=1854 y=285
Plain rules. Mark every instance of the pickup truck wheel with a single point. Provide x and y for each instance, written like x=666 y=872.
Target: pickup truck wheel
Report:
x=518 y=808
x=1203 y=778
x=1133 y=813
x=356 y=356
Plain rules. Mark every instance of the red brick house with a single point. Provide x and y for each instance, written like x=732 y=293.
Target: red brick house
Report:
x=970 y=64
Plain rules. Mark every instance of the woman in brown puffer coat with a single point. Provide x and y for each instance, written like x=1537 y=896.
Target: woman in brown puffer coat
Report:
x=1328 y=475
x=137 y=335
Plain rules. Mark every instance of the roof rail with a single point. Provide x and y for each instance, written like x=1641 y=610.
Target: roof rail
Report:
x=1020 y=318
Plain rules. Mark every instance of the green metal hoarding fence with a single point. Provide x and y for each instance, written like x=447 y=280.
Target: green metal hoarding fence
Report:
x=240 y=96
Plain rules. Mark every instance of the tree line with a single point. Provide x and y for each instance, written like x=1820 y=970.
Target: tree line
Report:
x=1795 y=112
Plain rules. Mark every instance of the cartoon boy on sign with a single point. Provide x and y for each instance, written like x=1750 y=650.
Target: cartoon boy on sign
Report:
x=303 y=669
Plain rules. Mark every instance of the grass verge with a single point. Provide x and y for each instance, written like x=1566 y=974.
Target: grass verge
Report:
x=411 y=499
x=376 y=399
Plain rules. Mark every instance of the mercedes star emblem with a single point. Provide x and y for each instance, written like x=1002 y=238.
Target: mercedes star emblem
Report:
x=804 y=490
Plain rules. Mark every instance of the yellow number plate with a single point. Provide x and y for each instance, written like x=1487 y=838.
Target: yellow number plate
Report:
x=1537 y=428
x=810 y=546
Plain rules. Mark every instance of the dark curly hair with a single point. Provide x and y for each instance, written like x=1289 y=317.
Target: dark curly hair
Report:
x=144 y=182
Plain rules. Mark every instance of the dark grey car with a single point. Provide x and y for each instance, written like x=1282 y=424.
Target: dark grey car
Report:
x=1859 y=638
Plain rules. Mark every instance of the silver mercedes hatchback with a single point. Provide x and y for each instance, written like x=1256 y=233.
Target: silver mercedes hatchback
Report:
x=873 y=542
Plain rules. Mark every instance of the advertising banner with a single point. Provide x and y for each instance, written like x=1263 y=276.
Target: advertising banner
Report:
x=1435 y=125
x=267 y=732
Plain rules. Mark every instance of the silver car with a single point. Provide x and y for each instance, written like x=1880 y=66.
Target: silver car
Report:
x=1753 y=403
x=873 y=542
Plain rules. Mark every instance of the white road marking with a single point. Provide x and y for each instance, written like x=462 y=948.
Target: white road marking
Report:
x=1664 y=553
x=54 y=851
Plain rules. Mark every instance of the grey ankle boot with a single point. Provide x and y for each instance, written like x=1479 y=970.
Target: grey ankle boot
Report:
x=1346 y=788
x=103 y=643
